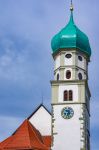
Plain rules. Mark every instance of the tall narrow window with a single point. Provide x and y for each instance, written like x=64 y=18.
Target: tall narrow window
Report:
x=58 y=76
x=65 y=96
x=68 y=74
x=70 y=95
x=80 y=76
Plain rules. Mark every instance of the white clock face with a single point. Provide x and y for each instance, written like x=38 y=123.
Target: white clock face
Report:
x=67 y=112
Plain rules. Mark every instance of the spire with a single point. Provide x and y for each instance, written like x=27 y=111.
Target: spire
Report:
x=71 y=16
x=71 y=7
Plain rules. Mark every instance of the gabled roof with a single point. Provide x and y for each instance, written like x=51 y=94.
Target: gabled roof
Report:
x=41 y=119
x=26 y=137
x=41 y=105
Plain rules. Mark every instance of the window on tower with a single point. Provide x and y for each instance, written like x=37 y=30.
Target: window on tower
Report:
x=80 y=58
x=66 y=95
x=68 y=74
x=57 y=76
x=70 y=95
x=80 y=76
x=68 y=56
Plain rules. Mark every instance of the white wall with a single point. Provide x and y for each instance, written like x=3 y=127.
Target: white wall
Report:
x=42 y=121
x=57 y=62
x=68 y=133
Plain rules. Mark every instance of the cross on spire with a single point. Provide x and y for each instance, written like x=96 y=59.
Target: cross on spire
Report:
x=71 y=7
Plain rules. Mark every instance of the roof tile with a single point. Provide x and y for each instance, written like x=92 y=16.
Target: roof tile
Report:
x=26 y=137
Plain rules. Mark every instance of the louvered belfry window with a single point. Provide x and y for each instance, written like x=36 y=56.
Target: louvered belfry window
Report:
x=68 y=95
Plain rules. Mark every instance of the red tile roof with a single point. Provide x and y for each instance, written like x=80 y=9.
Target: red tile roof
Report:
x=4 y=143
x=26 y=137
x=47 y=140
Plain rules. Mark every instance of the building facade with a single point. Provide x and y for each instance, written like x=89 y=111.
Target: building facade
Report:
x=70 y=91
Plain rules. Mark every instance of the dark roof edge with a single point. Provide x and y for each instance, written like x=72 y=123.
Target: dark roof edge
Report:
x=41 y=105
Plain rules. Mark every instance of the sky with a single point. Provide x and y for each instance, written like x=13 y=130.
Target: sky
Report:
x=26 y=63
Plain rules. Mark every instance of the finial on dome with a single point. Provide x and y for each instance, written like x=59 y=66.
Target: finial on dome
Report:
x=71 y=21
x=71 y=7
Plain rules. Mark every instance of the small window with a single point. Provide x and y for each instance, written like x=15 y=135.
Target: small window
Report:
x=80 y=76
x=68 y=74
x=58 y=76
x=80 y=58
x=70 y=95
x=65 y=95
x=68 y=55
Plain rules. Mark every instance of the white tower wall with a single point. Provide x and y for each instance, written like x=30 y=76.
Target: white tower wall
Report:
x=73 y=133
x=67 y=134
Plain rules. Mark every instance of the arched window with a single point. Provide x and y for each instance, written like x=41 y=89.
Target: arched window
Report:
x=68 y=74
x=68 y=56
x=80 y=58
x=65 y=95
x=58 y=76
x=70 y=95
x=80 y=76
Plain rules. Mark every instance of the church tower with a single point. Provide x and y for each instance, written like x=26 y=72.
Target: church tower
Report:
x=70 y=91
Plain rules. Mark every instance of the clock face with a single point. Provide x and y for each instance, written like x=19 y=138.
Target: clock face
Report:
x=67 y=112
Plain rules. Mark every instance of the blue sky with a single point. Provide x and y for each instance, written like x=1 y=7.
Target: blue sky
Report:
x=26 y=64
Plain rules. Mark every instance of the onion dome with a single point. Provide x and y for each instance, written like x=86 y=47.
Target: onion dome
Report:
x=71 y=37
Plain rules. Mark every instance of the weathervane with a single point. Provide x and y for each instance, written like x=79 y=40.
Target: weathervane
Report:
x=71 y=7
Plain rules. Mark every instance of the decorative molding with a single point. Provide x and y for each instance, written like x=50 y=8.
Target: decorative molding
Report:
x=67 y=103
x=72 y=82
x=70 y=66
x=73 y=50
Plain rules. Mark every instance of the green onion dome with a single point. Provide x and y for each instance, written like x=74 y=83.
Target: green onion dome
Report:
x=71 y=37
